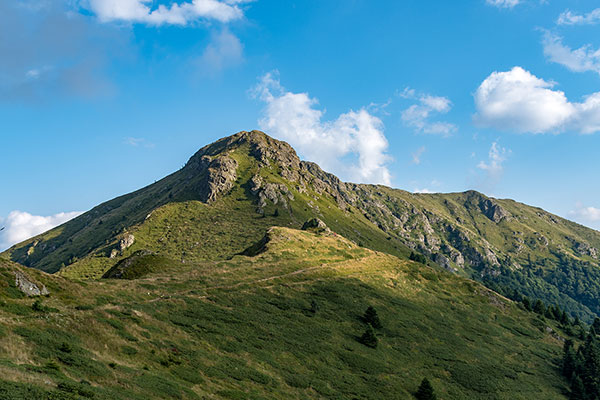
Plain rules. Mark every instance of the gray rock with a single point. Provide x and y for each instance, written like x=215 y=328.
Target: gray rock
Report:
x=221 y=175
x=314 y=223
x=493 y=210
x=29 y=288
x=126 y=242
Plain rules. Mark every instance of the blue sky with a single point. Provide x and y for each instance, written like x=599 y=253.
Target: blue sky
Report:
x=102 y=97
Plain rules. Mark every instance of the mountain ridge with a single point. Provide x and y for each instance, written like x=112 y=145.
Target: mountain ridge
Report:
x=237 y=187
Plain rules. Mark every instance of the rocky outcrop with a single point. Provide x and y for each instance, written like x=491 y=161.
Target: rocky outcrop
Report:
x=493 y=210
x=220 y=177
x=585 y=249
x=314 y=223
x=126 y=242
x=28 y=287
x=277 y=193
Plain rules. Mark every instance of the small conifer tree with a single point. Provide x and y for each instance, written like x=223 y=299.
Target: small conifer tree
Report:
x=539 y=307
x=314 y=306
x=425 y=391
x=526 y=303
x=369 y=338
x=577 y=389
x=372 y=318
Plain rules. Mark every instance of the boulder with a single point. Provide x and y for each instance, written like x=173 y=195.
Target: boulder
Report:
x=314 y=223
x=29 y=288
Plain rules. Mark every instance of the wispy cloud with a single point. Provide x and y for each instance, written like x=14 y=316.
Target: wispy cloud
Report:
x=418 y=116
x=137 y=142
x=503 y=3
x=225 y=50
x=142 y=11
x=19 y=226
x=570 y=18
x=518 y=101
x=352 y=145
x=583 y=59
x=47 y=50
x=416 y=156
x=493 y=166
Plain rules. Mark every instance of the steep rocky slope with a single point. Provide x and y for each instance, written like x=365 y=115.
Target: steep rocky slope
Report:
x=230 y=192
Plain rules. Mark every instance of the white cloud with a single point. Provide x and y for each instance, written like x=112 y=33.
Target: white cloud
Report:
x=586 y=215
x=583 y=59
x=141 y=11
x=519 y=101
x=422 y=191
x=224 y=50
x=419 y=115
x=352 y=146
x=570 y=18
x=20 y=226
x=503 y=3
x=496 y=157
x=416 y=156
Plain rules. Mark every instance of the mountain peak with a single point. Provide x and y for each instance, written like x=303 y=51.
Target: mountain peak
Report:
x=260 y=145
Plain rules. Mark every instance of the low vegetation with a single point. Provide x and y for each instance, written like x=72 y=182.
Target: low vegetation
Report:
x=285 y=323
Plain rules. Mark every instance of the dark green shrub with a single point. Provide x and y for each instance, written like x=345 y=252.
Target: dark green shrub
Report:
x=425 y=391
x=369 y=338
x=372 y=318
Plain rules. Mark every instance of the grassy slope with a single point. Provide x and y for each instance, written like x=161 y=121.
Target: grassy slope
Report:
x=243 y=328
x=543 y=245
x=192 y=231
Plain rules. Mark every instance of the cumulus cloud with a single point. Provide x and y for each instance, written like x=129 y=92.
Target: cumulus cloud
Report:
x=20 y=226
x=503 y=3
x=570 y=18
x=353 y=145
x=225 y=50
x=419 y=115
x=583 y=59
x=423 y=191
x=142 y=11
x=518 y=101
x=586 y=215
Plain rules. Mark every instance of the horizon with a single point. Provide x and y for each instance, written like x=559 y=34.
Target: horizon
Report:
x=98 y=100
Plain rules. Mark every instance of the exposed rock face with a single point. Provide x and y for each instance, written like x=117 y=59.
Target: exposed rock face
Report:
x=314 y=223
x=278 y=193
x=220 y=177
x=444 y=262
x=493 y=211
x=29 y=288
x=586 y=250
x=126 y=242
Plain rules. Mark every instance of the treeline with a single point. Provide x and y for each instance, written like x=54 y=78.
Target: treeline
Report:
x=551 y=287
x=581 y=366
x=571 y=326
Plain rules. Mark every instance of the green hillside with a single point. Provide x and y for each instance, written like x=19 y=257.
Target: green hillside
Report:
x=284 y=323
x=230 y=192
